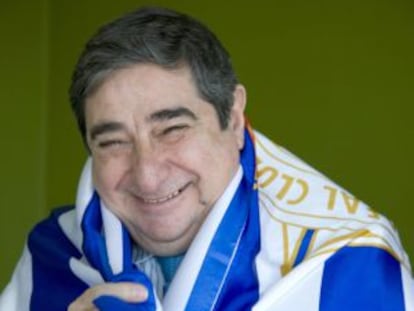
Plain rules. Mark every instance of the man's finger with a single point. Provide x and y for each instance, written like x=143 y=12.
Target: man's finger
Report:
x=129 y=292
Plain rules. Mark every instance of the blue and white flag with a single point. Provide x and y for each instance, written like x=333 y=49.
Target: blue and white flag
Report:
x=281 y=237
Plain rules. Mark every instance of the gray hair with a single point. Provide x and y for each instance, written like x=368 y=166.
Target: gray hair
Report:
x=162 y=37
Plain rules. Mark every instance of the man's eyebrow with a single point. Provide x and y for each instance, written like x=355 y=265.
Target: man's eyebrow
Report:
x=105 y=127
x=167 y=114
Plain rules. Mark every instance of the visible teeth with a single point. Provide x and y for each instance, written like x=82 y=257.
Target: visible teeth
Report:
x=164 y=199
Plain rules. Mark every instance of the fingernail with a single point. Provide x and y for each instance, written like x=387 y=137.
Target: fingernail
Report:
x=141 y=293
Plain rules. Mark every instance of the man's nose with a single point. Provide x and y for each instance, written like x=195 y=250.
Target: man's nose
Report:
x=149 y=170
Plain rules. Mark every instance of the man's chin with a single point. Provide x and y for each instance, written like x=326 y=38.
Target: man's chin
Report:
x=166 y=242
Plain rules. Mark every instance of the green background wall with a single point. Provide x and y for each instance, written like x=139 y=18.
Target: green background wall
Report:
x=23 y=111
x=330 y=80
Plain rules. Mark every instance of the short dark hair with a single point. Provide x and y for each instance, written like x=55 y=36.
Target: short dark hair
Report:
x=159 y=36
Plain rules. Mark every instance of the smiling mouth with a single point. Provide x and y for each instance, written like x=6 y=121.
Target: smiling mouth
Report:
x=164 y=198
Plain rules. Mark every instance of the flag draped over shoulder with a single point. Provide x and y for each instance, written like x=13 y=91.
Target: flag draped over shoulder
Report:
x=281 y=237
x=332 y=251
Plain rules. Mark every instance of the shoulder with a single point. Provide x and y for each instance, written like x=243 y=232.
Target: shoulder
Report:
x=51 y=232
x=52 y=252
x=51 y=222
x=294 y=187
x=311 y=212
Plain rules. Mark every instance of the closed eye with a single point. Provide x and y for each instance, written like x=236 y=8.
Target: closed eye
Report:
x=175 y=128
x=111 y=143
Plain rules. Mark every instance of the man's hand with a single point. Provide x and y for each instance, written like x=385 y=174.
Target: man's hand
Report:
x=129 y=292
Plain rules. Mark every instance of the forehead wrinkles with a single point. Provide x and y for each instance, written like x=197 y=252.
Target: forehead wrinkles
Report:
x=181 y=67
x=141 y=87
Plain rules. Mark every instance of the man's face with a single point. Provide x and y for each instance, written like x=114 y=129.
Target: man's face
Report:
x=160 y=158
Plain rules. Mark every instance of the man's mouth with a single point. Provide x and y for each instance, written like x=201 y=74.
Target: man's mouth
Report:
x=166 y=198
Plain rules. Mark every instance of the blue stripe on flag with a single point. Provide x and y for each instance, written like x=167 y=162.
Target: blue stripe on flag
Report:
x=228 y=277
x=361 y=279
x=93 y=244
x=95 y=250
x=304 y=247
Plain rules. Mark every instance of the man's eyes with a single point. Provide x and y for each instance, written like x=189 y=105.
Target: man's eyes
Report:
x=168 y=134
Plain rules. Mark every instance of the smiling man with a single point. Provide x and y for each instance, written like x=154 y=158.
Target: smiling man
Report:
x=160 y=157
x=183 y=206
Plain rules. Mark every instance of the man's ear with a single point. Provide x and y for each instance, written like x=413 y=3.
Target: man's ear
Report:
x=237 y=120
